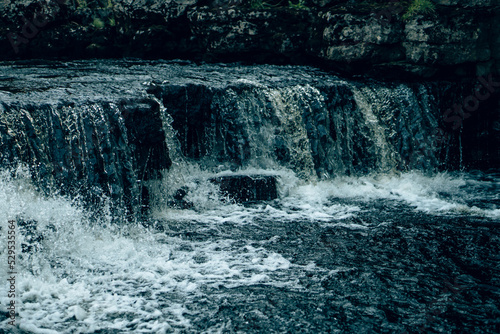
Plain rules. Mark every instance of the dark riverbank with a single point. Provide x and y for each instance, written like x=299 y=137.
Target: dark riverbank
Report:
x=460 y=39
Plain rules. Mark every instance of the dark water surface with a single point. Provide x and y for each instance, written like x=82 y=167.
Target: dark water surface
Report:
x=383 y=255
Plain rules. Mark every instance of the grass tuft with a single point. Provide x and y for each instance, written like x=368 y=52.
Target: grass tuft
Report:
x=419 y=7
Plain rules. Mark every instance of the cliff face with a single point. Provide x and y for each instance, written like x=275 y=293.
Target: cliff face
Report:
x=461 y=38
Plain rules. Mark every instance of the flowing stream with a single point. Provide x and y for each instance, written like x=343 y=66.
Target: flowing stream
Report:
x=371 y=232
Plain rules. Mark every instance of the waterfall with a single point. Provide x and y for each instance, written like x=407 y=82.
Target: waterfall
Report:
x=317 y=131
x=172 y=197
x=116 y=132
x=93 y=150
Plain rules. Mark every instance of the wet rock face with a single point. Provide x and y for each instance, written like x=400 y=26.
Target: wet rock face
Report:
x=343 y=35
x=89 y=149
x=143 y=122
x=248 y=188
x=253 y=36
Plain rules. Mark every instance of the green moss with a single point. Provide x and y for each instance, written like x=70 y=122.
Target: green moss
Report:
x=301 y=4
x=98 y=23
x=419 y=7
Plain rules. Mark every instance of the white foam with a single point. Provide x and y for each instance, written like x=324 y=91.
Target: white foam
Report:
x=89 y=277
x=442 y=193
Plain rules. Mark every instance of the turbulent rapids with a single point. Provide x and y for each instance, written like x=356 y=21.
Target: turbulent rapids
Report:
x=161 y=197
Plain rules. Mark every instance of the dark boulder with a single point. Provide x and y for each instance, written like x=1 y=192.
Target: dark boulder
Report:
x=178 y=201
x=248 y=188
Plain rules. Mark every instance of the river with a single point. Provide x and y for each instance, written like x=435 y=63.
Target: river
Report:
x=371 y=231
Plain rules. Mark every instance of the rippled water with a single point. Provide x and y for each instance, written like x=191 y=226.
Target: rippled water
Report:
x=384 y=253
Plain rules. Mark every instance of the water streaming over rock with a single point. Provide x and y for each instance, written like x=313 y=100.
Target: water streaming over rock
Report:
x=106 y=130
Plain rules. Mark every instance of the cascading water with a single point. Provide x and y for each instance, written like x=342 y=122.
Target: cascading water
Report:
x=108 y=169
x=335 y=128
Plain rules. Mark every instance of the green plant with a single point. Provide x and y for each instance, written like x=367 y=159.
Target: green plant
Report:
x=259 y=4
x=98 y=23
x=301 y=4
x=419 y=7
